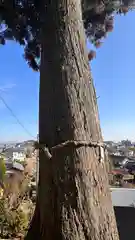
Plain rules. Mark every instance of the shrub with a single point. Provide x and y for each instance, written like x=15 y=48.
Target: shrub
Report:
x=12 y=221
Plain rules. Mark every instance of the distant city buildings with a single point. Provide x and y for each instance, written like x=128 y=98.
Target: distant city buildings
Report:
x=123 y=148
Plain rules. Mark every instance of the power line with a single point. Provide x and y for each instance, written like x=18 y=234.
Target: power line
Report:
x=16 y=118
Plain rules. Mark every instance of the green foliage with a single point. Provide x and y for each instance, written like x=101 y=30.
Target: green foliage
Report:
x=99 y=19
x=13 y=221
x=132 y=149
x=2 y=169
x=16 y=212
x=22 y=21
x=17 y=222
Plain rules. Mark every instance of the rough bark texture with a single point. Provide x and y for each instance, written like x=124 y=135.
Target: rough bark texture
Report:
x=74 y=201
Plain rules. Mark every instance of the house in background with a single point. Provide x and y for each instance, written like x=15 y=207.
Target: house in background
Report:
x=116 y=160
x=11 y=175
x=18 y=155
x=14 y=154
x=15 y=171
x=13 y=179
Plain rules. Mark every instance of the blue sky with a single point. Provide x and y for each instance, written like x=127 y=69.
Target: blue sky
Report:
x=19 y=87
x=114 y=77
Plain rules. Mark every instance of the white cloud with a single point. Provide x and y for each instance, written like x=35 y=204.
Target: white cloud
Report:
x=7 y=87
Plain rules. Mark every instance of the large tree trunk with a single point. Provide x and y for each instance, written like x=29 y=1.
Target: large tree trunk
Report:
x=74 y=200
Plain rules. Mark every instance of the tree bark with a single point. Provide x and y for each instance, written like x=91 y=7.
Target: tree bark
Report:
x=74 y=200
